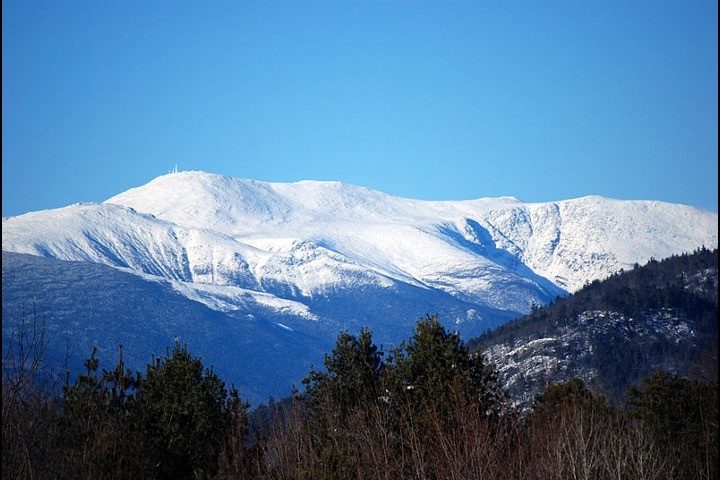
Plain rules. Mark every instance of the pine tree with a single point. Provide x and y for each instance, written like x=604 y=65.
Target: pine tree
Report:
x=351 y=376
x=96 y=434
x=436 y=369
x=182 y=412
x=350 y=383
x=572 y=394
x=682 y=415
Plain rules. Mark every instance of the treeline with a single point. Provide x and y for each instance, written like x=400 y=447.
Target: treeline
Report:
x=174 y=421
x=685 y=283
x=429 y=409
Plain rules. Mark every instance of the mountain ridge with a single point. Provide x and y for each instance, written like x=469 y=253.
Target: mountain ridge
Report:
x=311 y=236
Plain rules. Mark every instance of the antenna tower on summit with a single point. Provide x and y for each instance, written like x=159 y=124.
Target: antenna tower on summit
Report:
x=175 y=170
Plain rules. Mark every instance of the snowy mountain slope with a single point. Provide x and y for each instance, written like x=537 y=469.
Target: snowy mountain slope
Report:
x=528 y=365
x=570 y=242
x=84 y=304
x=300 y=240
x=121 y=237
x=142 y=244
x=260 y=342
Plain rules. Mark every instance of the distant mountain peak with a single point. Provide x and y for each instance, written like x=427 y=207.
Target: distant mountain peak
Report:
x=462 y=247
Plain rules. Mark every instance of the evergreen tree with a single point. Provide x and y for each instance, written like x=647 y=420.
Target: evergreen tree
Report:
x=349 y=384
x=351 y=376
x=435 y=368
x=561 y=396
x=183 y=413
x=682 y=415
x=97 y=437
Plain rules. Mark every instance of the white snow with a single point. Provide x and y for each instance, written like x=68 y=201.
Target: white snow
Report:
x=219 y=238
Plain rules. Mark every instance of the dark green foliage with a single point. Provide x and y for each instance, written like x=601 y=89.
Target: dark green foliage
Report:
x=91 y=394
x=357 y=402
x=176 y=421
x=435 y=368
x=351 y=376
x=682 y=414
x=97 y=435
x=182 y=412
x=561 y=396
x=350 y=381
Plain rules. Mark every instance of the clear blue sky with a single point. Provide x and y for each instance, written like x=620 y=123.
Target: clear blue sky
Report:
x=435 y=100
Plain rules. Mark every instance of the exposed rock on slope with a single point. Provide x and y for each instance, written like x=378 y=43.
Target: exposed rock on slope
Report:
x=613 y=333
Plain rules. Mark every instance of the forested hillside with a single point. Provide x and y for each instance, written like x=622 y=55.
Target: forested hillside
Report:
x=662 y=315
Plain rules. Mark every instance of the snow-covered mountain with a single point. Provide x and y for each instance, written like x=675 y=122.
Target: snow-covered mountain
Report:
x=569 y=242
x=327 y=256
x=313 y=236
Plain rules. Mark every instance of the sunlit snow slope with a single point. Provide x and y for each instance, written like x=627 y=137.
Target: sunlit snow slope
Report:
x=309 y=238
x=569 y=242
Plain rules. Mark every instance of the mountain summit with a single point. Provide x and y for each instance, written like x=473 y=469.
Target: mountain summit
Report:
x=317 y=257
